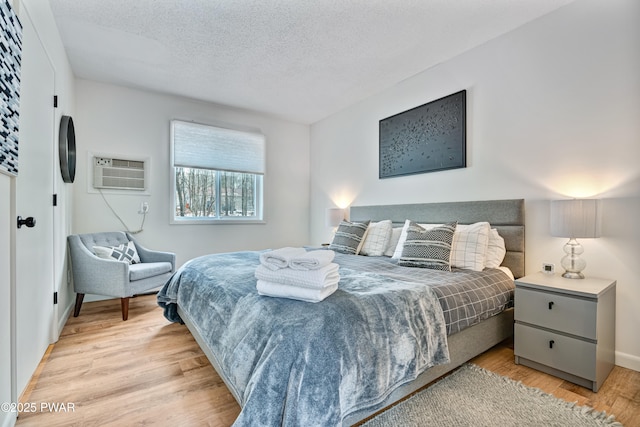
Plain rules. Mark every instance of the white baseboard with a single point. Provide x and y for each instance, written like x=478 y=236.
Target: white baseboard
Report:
x=628 y=361
x=7 y=419
x=65 y=316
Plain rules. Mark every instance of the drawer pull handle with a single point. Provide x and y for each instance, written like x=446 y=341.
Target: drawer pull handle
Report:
x=550 y=305
x=551 y=343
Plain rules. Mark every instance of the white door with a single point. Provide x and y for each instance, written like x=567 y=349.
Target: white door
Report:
x=34 y=278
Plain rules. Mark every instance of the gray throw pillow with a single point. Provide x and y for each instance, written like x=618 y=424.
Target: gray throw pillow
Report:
x=349 y=236
x=428 y=248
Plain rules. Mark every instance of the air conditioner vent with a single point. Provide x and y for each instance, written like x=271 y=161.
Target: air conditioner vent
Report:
x=118 y=174
x=134 y=164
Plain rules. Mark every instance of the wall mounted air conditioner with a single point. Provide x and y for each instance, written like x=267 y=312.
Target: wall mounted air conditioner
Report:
x=118 y=174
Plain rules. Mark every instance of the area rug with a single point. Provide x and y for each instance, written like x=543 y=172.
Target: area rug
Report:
x=473 y=396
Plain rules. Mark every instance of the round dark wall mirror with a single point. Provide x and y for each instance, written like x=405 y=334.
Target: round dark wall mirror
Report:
x=67 y=149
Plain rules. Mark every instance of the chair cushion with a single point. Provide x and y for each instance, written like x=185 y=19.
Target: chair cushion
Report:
x=144 y=270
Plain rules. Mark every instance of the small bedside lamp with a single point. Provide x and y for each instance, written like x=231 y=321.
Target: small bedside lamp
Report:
x=333 y=218
x=576 y=218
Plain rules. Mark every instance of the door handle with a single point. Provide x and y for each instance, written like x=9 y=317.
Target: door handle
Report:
x=29 y=222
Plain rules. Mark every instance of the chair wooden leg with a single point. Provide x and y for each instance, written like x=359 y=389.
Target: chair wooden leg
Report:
x=124 y=302
x=76 y=310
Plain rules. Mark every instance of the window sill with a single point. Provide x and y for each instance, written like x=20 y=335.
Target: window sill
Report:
x=216 y=221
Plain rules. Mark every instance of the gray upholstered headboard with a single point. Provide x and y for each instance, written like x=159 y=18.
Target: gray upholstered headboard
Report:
x=507 y=216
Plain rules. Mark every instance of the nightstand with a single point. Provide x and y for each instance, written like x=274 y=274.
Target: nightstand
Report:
x=566 y=327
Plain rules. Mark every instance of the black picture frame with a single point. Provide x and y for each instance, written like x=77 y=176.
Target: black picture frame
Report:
x=10 y=62
x=428 y=138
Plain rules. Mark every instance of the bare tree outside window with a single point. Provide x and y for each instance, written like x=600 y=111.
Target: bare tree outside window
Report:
x=196 y=193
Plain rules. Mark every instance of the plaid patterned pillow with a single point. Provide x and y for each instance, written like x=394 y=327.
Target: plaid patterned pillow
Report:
x=469 y=247
x=377 y=238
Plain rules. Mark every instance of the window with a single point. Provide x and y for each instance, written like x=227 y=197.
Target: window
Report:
x=217 y=174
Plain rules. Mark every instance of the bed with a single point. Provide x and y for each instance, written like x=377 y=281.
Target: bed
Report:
x=381 y=336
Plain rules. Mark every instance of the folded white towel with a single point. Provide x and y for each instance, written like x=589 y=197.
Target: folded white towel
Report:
x=279 y=258
x=314 y=279
x=312 y=260
x=294 y=292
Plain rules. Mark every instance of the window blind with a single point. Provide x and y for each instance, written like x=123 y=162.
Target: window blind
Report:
x=210 y=147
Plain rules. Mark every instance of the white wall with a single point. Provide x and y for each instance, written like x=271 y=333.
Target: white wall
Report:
x=121 y=121
x=553 y=112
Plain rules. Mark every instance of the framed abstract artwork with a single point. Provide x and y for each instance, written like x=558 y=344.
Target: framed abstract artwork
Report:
x=428 y=138
x=11 y=47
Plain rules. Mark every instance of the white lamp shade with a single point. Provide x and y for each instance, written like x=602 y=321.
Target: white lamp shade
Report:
x=334 y=216
x=576 y=218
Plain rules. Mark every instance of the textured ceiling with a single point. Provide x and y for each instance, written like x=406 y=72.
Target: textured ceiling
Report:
x=302 y=60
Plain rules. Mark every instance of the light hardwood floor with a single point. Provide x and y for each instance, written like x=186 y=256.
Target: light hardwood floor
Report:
x=147 y=371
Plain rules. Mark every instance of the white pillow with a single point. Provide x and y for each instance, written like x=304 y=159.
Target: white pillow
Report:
x=495 y=250
x=397 y=253
x=470 y=244
x=124 y=252
x=393 y=241
x=377 y=238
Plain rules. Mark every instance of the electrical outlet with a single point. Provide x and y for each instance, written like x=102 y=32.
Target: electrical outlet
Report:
x=144 y=208
x=548 y=268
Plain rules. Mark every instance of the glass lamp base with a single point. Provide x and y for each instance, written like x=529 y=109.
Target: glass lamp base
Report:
x=571 y=262
x=572 y=275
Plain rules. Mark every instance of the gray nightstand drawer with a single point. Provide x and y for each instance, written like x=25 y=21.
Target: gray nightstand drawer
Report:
x=567 y=354
x=566 y=327
x=573 y=315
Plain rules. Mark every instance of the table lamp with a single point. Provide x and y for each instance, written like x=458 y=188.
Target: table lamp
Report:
x=575 y=218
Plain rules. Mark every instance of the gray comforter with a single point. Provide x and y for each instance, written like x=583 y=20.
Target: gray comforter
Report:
x=293 y=363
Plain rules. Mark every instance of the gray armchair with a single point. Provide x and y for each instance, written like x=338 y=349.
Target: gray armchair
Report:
x=110 y=277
